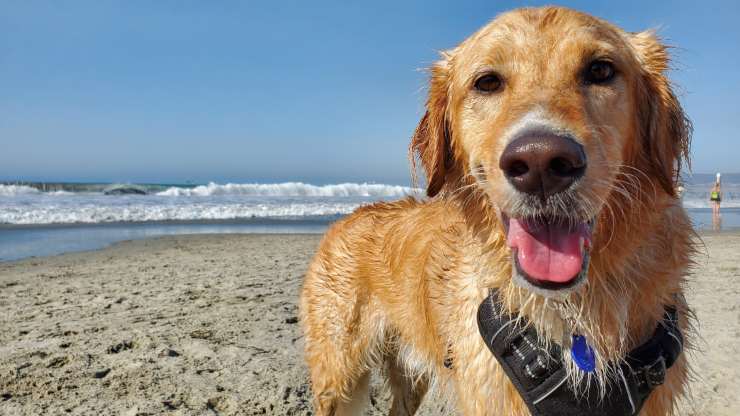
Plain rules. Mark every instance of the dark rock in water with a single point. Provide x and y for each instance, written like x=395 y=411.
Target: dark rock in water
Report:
x=125 y=190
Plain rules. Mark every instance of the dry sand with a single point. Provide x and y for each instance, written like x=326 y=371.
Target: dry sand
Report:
x=203 y=325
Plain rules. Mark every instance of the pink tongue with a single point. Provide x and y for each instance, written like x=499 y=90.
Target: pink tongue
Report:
x=549 y=252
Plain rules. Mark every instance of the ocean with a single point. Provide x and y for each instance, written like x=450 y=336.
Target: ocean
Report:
x=38 y=219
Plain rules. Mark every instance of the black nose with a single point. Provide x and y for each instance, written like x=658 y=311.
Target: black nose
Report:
x=543 y=164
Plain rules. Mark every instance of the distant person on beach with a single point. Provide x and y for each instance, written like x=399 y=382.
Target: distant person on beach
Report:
x=715 y=197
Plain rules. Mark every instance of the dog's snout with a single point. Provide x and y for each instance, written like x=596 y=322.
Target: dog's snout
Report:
x=543 y=164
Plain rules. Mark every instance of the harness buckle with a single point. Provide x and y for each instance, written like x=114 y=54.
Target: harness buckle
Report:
x=653 y=374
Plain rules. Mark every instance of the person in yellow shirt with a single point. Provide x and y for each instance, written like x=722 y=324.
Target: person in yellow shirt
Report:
x=715 y=197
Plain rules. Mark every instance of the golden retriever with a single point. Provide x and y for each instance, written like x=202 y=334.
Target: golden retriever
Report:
x=546 y=120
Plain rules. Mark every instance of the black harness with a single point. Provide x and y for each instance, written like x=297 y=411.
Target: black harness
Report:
x=540 y=376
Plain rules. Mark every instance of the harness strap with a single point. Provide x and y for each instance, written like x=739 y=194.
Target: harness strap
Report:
x=541 y=378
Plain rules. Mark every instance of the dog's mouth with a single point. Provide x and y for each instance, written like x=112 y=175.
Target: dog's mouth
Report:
x=549 y=253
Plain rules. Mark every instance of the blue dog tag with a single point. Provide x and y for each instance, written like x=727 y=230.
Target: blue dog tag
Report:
x=583 y=354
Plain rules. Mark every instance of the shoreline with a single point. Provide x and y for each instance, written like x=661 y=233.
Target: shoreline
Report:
x=735 y=232
x=730 y=211
x=37 y=240
x=229 y=221
x=206 y=324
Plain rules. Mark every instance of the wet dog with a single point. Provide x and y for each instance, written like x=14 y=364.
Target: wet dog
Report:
x=551 y=145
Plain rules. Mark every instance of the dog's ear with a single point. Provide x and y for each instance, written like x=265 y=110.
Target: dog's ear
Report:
x=431 y=140
x=665 y=130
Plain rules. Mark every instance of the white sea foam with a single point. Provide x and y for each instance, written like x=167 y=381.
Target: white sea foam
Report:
x=294 y=189
x=13 y=190
x=95 y=213
x=294 y=200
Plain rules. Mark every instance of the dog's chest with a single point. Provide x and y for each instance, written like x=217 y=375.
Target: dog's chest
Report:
x=480 y=385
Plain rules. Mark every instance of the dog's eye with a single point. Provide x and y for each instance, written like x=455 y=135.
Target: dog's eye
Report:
x=599 y=72
x=488 y=83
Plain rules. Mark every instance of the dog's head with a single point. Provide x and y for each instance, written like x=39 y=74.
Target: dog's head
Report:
x=551 y=113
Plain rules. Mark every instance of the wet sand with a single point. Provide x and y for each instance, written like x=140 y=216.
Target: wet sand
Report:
x=199 y=325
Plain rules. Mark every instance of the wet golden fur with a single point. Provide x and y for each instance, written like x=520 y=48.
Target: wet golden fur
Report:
x=397 y=285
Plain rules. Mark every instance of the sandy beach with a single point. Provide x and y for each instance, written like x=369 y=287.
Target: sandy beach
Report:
x=200 y=325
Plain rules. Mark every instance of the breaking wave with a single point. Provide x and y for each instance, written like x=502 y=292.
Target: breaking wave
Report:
x=294 y=189
x=93 y=203
x=65 y=203
x=13 y=190
x=96 y=213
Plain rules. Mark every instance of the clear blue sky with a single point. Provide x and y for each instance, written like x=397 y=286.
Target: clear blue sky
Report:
x=316 y=91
